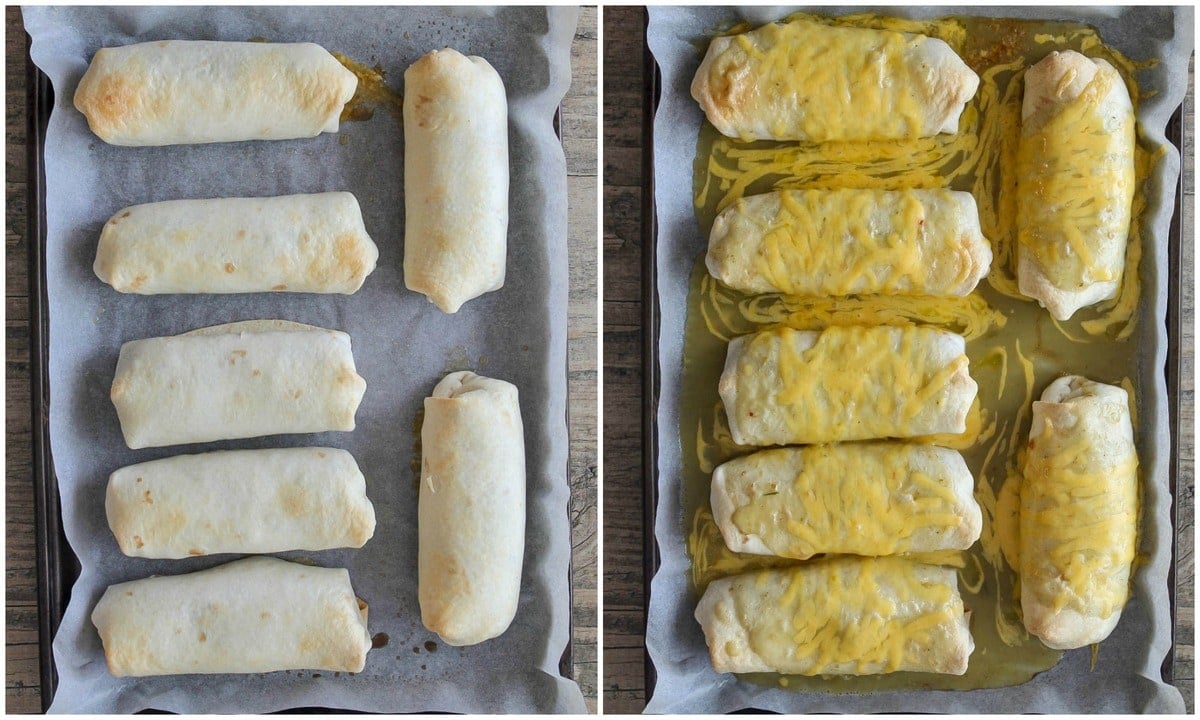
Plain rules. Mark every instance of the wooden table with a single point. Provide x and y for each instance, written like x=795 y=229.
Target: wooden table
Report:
x=23 y=691
x=624 y=591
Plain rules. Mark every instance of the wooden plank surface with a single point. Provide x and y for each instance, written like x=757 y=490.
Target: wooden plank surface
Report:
x=623 y=585
x=22 y=691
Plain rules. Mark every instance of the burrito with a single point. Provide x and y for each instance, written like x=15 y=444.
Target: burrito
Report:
x=244 y=379
x=1079 y=513
x=254 y=615
x=857 y=499
x=471 y=509
x=295 y=243
x=806 y=81
x=240 y=501
x=176 y=92
x=1075 y=181
x=455 y=178
x=850 y=242
x=785 y=386
x=844 y=616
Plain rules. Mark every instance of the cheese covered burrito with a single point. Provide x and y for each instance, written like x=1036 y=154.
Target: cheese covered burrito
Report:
x=455 y=178
x=240 y=501
x=785 y=386
x=245 y=379
x=844 y=242
x=1079 y=513
x=858 y=499
x=295 y=243
x=803 y=80
x=844 y=616
x=259 y=614
x=1075 y=182
x=174 y=92
x=471 y=510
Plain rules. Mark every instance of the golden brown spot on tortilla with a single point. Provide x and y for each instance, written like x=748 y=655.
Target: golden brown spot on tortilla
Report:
x=296 y=394
x=118 y=388
x=279 y=287
x=296 y=501
x=137 y=282
x=138 y=480
x=194 y=551
x=137 y=540
x=241 y=234
x=256 y=372
x=230 y=267
x=128 y=593
x=147 y=497
x=264 y=615
x=346 y=377
x=115 y=98
x=127 y=213
x=321 y=454
x=203 y=637
x=346 y=255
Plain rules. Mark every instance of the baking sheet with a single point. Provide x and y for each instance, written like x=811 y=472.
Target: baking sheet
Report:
x=675 y=643
x=402 y=345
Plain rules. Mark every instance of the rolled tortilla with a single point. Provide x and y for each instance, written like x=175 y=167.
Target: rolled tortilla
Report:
x=455 y=178
x=1079 y=513
x=857 y=499
x=1075 y=182
x=259 y=614
x=806 y=81
x=295 y=243
x=844 y=616
x=175 y=92
x=846 y=242
x=471 y=511
x=240 y=501
x=785 y=386
x=245 y=379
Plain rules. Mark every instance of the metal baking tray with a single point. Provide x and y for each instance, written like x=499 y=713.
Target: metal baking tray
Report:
x=57 y=565
x=651 y=372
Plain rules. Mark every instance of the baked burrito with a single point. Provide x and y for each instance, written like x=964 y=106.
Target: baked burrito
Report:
x=785 y=386
x=259 y=614
x=240 y=501
x=244 y=379
x=850 y=242
x=295 y=243
x=803 y=80
x=455 y=178
x=174 y=92
x=471 y=510
x=1075 y=181
x=857 y=499
x=843 y=616
x=1079 y=513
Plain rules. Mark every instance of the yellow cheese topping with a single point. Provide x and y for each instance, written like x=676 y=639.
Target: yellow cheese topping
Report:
x=842 y=242
x=853 y=383
x=1076 y=180
x=853 y=616
x=862 y=499
x=804 y=80
x=1079 y=509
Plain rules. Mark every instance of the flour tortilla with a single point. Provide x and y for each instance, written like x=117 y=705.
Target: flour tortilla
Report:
x=240 y=501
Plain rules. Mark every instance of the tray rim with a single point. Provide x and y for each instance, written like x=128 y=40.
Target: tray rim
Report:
x=57 y=566
x=651 y=370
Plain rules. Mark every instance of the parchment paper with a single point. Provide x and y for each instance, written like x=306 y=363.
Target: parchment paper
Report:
x=1127 y=677
x=402 y=345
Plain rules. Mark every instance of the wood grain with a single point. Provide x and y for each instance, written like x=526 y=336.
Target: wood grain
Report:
x=22 y=687
x=624 y=621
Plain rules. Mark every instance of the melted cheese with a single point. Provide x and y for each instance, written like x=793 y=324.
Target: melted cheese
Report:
x=864 y=499
x=842 y=242
x=1079 y=505
x=804 y=80
x=1076 y=180
x=851 y=616
x=846 y=383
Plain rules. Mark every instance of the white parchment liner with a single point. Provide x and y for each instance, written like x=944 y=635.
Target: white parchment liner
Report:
x=1127 y=676
x=402 y=345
